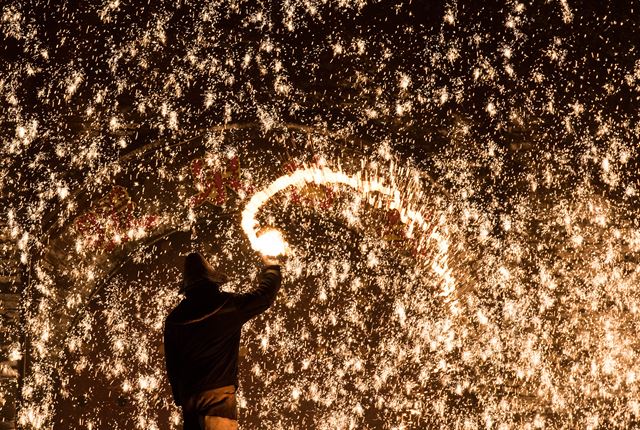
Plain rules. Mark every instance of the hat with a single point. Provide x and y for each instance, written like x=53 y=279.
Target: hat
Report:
x=197 y=268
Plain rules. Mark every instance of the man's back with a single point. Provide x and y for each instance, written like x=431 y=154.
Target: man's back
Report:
x=202 y=334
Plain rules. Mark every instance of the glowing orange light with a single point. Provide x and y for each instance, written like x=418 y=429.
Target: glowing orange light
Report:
x=271 y=243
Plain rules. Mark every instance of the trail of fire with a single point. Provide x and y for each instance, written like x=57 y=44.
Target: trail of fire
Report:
x=363 y=183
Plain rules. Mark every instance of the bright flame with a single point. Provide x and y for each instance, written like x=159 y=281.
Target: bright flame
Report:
x=271 y=243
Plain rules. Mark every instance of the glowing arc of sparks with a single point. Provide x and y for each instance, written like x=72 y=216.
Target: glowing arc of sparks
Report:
x=359 y=181
x=324 y=175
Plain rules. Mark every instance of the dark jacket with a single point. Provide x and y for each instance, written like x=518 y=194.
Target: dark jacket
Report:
x=202 y=334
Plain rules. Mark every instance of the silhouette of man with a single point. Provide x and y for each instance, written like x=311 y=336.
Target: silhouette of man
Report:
x=202 y=341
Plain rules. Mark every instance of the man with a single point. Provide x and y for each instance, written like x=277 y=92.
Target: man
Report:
x=202 y=341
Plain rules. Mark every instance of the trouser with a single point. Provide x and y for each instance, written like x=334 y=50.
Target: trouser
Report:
x=211 y=410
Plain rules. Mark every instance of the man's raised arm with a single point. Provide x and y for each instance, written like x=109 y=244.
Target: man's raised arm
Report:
x=262 y=297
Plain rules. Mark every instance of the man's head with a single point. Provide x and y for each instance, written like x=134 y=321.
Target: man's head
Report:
x=196 y=269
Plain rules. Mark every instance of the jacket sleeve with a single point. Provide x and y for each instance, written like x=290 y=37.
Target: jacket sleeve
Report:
x=173 y=367
x=262 y=297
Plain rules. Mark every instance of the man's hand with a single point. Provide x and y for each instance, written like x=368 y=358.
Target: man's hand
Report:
x=269 y=260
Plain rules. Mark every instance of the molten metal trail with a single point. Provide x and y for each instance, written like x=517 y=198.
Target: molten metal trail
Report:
x=322 y=175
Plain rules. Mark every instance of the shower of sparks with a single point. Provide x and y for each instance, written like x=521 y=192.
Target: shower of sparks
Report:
x=477 y=267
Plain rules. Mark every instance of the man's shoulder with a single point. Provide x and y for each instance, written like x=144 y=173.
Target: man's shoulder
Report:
x=230 y=300
x=191 y=311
